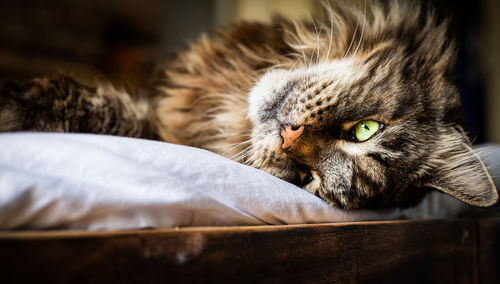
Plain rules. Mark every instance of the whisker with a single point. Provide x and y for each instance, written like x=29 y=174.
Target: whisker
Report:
x=317 y=43
x=243 y=157
x=330 y=16
x=317 y=36
x=362 y=31
x=232 y=148
x=241 y=152
x=232 y=145
x=316 y=30
x=296 y=38
x=241 y=130
x=296 y=61
x=253 y=159
x=352 y=40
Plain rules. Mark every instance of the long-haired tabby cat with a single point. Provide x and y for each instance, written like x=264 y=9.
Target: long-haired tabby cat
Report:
x=358 y=108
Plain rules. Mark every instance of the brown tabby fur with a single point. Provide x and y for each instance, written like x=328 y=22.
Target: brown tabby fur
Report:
x=234 y=92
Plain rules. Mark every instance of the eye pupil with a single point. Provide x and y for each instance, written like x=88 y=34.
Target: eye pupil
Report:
x=307 y=179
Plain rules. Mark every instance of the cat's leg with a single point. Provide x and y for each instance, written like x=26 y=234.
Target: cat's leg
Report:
x=65 y=105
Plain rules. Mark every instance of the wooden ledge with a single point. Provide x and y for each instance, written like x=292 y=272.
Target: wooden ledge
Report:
x=432 y=251
x=58 y=234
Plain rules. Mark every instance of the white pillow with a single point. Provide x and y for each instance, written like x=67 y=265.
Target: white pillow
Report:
x=83 y=181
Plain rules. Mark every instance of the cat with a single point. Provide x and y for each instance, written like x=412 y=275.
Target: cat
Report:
x=358 y=108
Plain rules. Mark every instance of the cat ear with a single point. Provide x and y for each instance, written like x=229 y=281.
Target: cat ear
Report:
x=459 y=172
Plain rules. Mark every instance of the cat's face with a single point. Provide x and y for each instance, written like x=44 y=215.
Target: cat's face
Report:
x=332 y=157
x=374 y=129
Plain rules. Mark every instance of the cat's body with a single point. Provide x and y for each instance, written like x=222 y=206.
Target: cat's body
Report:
x=296 y=100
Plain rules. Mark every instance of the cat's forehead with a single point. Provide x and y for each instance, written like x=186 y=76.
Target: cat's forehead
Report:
x=340 y=91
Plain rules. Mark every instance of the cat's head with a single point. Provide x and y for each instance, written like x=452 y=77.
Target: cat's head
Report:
x=368 y=116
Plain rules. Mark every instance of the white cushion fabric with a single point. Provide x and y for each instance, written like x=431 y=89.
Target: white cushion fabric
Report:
x=83 y=181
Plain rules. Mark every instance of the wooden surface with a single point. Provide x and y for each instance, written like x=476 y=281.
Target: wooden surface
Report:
x=441 y=251
x=489 y=251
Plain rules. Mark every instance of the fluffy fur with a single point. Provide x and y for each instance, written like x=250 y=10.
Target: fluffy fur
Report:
x=234 y=92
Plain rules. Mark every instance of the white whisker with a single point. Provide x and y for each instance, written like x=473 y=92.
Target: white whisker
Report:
x=330 y=16
x=296 y=61
x=352 y=40
x=242 y=152
x=317 y=44
x=362 y=31
x=296 y=46
x=232 y=145
x=317 y=38
x=244 y=156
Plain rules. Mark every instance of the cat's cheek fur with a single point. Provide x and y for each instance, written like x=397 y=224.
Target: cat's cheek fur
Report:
x=355 y=149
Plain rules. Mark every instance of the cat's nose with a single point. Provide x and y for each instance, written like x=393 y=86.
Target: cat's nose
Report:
x=290 y=134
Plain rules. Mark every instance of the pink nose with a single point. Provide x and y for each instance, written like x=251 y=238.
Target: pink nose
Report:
x=290 y=134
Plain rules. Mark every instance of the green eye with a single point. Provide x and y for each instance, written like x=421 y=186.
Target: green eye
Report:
x=365 y=129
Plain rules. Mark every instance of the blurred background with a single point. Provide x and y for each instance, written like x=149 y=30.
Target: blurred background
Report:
x=122 y=40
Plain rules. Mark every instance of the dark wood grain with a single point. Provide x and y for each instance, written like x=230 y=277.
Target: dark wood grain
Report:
x=380 y=252
x=489 y=250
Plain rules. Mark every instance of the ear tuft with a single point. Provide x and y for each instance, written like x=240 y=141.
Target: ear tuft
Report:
x=458 y=171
